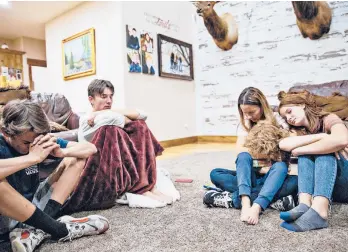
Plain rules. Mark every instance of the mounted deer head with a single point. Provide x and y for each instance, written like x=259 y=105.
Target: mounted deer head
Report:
x=222 y=28
x=205 y=8
x=313 y=18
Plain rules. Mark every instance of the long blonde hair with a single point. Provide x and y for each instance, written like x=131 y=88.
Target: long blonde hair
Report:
x=253 y=96
x=313 y=113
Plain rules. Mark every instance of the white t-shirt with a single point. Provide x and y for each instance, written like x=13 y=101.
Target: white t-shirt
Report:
x=107 y=117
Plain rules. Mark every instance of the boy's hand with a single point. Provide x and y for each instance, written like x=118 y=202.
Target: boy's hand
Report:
x=90 y=120
x=44 y=138
x=43 y=147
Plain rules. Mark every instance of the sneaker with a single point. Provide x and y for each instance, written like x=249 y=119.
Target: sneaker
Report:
x=284 y=204
x=26 y=240
x=217 y=199
x=78 y=227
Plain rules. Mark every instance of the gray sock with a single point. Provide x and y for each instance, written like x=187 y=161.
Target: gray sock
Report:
x=309 y=221
x=294 y=213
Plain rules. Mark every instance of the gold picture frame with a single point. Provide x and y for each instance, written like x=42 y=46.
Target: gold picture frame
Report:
x=78 y=55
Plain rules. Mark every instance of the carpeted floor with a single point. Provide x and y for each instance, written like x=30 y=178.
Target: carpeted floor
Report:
x=189 y=226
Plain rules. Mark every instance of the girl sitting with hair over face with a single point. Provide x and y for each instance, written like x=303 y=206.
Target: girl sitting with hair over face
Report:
x=321 y=177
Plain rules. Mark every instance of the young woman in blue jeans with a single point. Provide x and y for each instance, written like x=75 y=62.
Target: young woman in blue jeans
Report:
x=321 y=177
x=252 y=191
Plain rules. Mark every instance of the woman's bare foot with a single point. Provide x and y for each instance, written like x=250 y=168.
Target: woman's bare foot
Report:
x=246 y=205
x=253 y=214
x=164 y=198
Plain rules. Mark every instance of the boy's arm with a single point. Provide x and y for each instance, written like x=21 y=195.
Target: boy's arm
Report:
x=10 y=166
x=37 y=154
x=132 y=114
x=127 y=113
x=74 y=149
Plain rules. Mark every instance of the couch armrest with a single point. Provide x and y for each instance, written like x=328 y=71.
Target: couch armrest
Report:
x=73 y=121
x=70 y=135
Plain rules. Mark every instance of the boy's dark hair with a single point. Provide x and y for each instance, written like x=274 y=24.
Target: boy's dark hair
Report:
x=98 y=86
x=20 y=116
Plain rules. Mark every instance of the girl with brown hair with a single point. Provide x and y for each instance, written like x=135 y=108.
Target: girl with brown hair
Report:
x=246 y=188
x=320 y=135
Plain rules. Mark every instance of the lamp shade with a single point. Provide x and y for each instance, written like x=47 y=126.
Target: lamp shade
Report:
x=4 y=46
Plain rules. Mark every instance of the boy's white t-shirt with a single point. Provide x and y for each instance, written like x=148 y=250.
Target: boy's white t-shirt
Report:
x=108 y=117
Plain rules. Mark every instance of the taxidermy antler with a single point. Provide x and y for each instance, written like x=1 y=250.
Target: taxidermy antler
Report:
x=223 y=29
x=313 y=18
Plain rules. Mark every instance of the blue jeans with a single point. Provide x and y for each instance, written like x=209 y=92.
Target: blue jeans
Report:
x=340 y=191
x=317 y=174
x=261 y=188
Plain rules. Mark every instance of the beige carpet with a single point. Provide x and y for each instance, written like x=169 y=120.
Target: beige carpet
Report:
x=189 y=226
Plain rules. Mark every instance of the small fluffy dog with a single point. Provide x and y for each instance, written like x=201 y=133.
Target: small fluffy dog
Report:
x=264 y=138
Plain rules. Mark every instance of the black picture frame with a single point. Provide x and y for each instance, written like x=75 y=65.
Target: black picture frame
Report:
x=184 y=50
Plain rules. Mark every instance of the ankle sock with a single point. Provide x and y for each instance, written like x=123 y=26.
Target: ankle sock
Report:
x=44 y=222
x=52 y=208
x=294 y=213
x=310 y=220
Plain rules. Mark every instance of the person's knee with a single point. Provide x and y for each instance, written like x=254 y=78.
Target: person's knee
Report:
x=77 y=163
x=213 y=174
x=280 y=167
x=2 y=183
x=244 y=156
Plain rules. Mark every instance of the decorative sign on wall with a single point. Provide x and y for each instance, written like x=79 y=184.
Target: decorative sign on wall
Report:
x=166 y=24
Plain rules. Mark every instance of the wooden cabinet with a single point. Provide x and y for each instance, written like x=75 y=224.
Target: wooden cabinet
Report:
x=11 y=58
x=11 y=68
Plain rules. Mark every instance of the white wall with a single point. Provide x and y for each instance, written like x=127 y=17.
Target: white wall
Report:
x=170 y=103
x=271 y=55
x=106 y=18
x=34 y=48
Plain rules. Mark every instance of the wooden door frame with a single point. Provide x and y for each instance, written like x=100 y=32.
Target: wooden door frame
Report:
x=34 y=62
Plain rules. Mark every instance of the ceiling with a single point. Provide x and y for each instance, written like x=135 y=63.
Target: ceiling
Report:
x=28 y=18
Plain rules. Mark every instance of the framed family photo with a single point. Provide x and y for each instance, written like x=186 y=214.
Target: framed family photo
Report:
x=175 y=59
x=79 y=55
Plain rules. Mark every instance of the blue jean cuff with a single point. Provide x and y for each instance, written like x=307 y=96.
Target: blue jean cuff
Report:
x=322 y=195
x=263 y=202
x=236 y=201
x=244 y=190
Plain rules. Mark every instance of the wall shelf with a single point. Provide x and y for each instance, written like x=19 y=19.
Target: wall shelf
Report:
x=11 y=51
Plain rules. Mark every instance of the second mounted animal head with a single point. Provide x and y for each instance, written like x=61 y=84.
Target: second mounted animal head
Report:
x=313 y=18
x=205 y=8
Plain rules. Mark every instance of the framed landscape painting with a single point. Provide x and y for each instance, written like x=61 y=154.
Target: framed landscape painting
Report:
x=175 y=58
x=79 y=55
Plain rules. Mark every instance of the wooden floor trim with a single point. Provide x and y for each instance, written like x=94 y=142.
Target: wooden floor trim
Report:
x=198 y=139
x=178 y=141
x=217 y=139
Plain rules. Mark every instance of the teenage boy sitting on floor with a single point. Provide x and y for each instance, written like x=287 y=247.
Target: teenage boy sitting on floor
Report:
x=24 y=143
